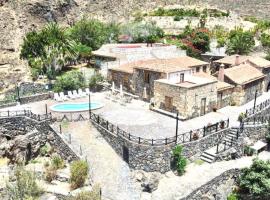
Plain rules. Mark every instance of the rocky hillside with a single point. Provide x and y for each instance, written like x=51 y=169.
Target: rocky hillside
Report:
x=19 y=16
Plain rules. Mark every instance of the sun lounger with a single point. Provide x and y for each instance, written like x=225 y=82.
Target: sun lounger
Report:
x=81 y=93
x=70 y=95
x=62 y=96
x=75 y=94
x=56 y=97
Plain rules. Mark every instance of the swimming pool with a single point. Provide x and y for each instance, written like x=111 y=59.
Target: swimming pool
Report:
x=75 y=107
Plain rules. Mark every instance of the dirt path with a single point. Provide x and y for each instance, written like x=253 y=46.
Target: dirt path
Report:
x=174 y=187
x=106 y=167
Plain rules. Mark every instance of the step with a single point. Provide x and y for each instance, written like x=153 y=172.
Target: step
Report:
x=208 y=157
x=228 y=141
x=209 y=154
x=206 y=160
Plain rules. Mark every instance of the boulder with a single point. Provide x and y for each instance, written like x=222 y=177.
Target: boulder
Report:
x=151 y=183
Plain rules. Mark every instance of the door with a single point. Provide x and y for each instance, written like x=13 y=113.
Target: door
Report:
x=168 y=103
x=203 y=106
x=125 y=154
x=219 y=100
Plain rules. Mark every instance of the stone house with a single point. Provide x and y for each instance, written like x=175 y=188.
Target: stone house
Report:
x=175 y=69
x=138 y=77
x=192 y=96
x=264 y=66
x=245 y=79
x=234 y=60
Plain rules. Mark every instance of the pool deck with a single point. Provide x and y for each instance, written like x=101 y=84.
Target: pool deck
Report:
x=137 y=119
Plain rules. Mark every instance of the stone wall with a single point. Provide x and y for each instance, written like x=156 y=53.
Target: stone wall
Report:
x=141 y=157
x=157 y=158
x=218 y=188
x=38 y=133
x=34 y=98
x=193 y=150
x=123 y=78
x=138 y=79
x=246 y=93
x=186 y=100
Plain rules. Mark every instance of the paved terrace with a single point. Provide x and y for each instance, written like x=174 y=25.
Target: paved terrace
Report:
x=137 y=119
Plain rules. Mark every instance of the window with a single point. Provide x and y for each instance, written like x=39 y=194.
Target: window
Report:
x=204 y=68
x=146 y=77
x=181 y=78
x=197 y=69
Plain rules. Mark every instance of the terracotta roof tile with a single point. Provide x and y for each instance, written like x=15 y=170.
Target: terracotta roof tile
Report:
x=243 y=74
x=259 y=62
x=231 y=59
x=168 y=65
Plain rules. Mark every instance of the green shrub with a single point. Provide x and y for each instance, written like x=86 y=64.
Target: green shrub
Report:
x=95 y=79
x=240 y=41
x=24 y=187
x=179 y=161
x=72 y=80
x=265 y=40
x=50 y=174
x=233 y=196
x=45 y=150
x=92 y=195
x=79 y=172
x=254 y=181
x=57 y=162
x=177 y=18
x=242 y=116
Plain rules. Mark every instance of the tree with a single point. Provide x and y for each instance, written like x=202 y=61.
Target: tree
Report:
x=240 y=42
x=255 y=181
x=93 y=33
x=47 y=51
x=143 y=32
x=72 y=80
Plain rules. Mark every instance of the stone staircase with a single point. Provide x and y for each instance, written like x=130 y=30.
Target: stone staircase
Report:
x=227 y=142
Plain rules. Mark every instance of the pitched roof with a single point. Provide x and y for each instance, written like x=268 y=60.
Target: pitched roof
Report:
x=259 y=62
x=243 y=74
x=231 y=59
x=127 y=68
x=169 y=65
x=220 y=85
x=223 y=86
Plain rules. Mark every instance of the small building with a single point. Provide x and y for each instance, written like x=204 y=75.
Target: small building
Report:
x=264 y=66
x=191 y=96
x=115 y=55
x=246 y=81
x=259 y=63
x=146 y=72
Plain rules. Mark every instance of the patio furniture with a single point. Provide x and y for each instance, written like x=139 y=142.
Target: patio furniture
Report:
x=75 y=94
x=62 y=96
x=70 y=95
x=81 y=93
x=56 y=97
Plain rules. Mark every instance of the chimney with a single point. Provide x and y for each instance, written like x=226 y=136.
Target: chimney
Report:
x=221 y=73
x=237 y=60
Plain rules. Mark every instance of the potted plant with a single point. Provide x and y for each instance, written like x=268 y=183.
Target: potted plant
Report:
x=195 y=136
x=241 y=117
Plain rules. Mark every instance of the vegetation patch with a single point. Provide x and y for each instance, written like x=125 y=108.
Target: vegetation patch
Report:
x=79 y=172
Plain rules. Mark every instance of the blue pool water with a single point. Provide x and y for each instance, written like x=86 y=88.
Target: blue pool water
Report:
x=75 y=107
